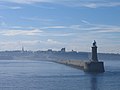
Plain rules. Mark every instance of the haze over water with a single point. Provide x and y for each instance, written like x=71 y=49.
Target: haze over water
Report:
x=42 y=75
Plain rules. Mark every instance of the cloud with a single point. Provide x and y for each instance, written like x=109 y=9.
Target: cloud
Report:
x=15 y=8
x=76 y=37
x=105 y=29
x=75 y=27
x=35 y=19
x=45 y=21
x=51 y=41
x=101 y=4
x=31 y=44
x=55 y=27
x=60 y=31
x=42 y=31
x=16 y=45
x=27 y=1
x=62 y=27
x=51 y=44
x=71 y=3
x=84 y=21
x=62 y=34
x=44 y=43
x=109 y=30
x=20 y=32
x=87 y=26
x=91 y=3
x=44 y=6
x=7 y=45
x=95 y=28
x=10 y=7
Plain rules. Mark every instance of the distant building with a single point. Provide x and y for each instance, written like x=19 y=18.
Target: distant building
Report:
x=73 y=51
x=63 y=50
x=49 y=50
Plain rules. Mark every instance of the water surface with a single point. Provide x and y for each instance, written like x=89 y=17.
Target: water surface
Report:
x=42 y=75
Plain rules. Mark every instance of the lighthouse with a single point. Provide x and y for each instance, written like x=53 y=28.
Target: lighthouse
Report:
x=94 y=52
x=94 y=65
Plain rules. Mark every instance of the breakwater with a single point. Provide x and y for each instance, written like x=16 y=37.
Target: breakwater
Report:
x=93 y=65
x=87 y=66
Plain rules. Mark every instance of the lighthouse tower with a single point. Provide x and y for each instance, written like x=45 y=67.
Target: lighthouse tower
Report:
x=94 y=65
x=94 y=52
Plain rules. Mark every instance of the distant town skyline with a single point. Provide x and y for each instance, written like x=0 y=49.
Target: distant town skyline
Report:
x=55 y=24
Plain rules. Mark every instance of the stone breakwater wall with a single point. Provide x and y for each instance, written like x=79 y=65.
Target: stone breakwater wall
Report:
x=87 y=66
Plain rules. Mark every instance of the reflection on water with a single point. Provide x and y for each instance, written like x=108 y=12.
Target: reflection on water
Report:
x=94 y=82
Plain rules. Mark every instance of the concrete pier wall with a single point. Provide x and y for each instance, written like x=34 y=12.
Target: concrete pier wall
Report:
x=87 y=66
x=94 y=67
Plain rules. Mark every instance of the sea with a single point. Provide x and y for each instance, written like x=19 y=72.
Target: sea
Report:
x=44 y=75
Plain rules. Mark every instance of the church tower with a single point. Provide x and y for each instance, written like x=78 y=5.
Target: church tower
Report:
x=22 y=49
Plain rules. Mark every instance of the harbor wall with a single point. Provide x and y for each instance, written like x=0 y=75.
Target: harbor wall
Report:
x=87 y=66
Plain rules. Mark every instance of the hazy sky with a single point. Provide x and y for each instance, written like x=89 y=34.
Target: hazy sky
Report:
x=73 y=24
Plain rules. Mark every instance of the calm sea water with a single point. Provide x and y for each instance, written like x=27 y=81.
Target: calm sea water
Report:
x=41 y=75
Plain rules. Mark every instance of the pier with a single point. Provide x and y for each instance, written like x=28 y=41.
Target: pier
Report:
x=92 y=65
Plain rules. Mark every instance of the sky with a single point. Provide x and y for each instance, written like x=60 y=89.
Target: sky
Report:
x=55 y=24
